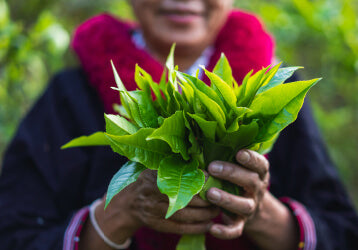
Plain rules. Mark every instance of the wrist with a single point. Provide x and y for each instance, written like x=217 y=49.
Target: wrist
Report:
x=116 y=222
x=274 y=225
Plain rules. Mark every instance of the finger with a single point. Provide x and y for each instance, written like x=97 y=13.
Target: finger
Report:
x=193 y=215
x=227 y=232
x=253 y=161
x=170 y=226
x=242 y=206
x=197 y=201
x=235 y=174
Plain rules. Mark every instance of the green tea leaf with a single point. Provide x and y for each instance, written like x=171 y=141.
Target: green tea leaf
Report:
x=223 y=70
x=121 y=110
x=215 y=111
x=266 y=146
x=173 y=105
x=191 y=242
x=280 y=77
x=96 y=139
x=210 y=182
x=143 y=79
x=118 y=80
x=278 y=107
x=214 y=151
x=225 y=91
x=136 y=148
x=173 y=132
x=197 y=84
x=127 y=174
x=236 y=115
x=207 y=127
x=180 y=181
x=116 y=125
x=241 y=138
x=147 y=116
x=251 y=87
x=269 y=75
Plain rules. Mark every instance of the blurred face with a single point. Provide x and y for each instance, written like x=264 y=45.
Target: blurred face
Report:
x=189 y=23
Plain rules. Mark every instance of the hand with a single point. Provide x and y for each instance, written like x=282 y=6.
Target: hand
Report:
x=253 y=176
x=142 y=204
x=263 y=218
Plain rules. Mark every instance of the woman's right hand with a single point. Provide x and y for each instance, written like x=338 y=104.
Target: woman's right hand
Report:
x=142 y=204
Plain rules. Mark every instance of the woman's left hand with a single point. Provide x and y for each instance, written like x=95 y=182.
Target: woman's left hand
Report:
x=262 y=217
x=252 y=175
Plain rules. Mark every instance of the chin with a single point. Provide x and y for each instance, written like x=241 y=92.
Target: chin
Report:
x=185 y=40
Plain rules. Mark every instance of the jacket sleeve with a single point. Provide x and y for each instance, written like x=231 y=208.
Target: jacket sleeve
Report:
x=302 y=170
x=41 y=186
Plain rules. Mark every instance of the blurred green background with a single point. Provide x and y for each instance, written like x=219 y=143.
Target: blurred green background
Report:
x=321 y=35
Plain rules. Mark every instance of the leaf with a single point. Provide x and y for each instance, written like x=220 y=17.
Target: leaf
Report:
x=96 y=139
x=147 y=115
x=241 y=138
x=180 y=181
x=240 y=90
x=236 y=115
x=266 y=146
x=280 y=77
x=126 y=175
x=201 y=86
x=223 y=70
x=172 y=132
x=278 y=107
x=251 y=87
x=173 y=104
x=118 y=80
x=225 y=91
x=191 y=242
x=145 y=82
x=142 y=79
x=136 y=148
x=120 y=109
x=116 y=125
x=269 y=75
x=207 y=127
x=170 y=59
x=211 y=182
x=171 y=68
x=214 y=151
x=215 y=111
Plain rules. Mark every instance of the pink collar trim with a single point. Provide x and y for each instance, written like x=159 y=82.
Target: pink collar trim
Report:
x=104 y=38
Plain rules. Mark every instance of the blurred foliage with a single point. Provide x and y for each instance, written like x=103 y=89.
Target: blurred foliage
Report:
x=321 y=35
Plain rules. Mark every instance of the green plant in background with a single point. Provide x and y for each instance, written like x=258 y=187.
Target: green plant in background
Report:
x=320 y=34
x=27 y=57
x=181 y=132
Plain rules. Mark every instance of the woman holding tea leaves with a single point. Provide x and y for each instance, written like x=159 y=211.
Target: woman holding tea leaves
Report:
x=46 y=193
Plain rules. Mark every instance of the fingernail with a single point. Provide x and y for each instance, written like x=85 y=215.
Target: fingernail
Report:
x=214 y=196
x=216 y=168
x=243 y=157
x=216 y=230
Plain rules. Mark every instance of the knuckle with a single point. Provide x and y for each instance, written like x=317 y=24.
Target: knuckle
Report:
x=225 y=200
x=253 y=181
x=249 y=207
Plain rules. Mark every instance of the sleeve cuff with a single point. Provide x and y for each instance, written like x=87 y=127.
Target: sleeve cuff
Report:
x=307 y=230
x=72 y=233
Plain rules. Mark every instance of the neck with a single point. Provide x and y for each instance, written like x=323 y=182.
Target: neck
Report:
x=184 y=56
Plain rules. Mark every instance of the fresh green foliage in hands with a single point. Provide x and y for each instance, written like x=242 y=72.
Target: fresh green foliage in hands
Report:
x=180 y=132
x=128 y=174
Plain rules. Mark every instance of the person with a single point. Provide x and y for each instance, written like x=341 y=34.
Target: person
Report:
x=46 y=194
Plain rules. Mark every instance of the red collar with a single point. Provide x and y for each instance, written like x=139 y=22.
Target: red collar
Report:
x=104 y=38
